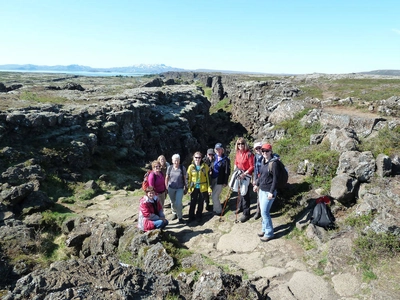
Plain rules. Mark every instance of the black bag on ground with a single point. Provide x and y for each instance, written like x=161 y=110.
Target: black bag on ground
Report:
x=322 y=216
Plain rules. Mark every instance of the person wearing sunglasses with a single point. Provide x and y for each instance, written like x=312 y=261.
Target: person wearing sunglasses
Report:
x=266 y=187
x=257 y=166
x=199 y=185
x=244 y=167
x=157 y=181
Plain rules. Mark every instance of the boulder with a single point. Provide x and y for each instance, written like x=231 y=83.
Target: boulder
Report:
x=360 y=165
x=383 y=165
x=344 y=188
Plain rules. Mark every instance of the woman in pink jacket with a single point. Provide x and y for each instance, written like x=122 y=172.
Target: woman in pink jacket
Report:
x=151 y=214
x=157 y=181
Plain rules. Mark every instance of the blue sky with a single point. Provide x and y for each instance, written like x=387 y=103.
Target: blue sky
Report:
x=255 y=36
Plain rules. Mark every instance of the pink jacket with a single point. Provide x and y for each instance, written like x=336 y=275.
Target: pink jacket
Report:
x=149 y=210
x=157 y=182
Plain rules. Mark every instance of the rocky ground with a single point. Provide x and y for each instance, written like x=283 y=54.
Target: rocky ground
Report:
x=280 y=268
x=302 y=262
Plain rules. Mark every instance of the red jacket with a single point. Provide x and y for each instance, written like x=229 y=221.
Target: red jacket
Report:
x=245 y=161
x=148 y=213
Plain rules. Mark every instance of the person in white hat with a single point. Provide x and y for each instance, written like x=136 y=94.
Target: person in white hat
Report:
x=257 y=166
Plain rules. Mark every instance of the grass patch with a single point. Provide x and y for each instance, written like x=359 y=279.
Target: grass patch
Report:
x=176 y=251
x=295 y=147
x=223 y=104
x=366 y=89
x=386 y=141
x=40 y=98
x=311 y=92
x=371 y=248
x=207 y=92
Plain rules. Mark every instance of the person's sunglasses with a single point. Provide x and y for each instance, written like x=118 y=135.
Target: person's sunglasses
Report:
x=265 y=151
x=157 y=167
x=258 y=148
x=197 y=157
x=240 y=143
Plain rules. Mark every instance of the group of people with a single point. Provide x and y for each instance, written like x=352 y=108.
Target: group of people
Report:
x=207 y=176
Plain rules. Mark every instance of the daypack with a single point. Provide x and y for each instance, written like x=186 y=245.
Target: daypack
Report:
x=322 y=216
x=283 y=174
x=145 y=183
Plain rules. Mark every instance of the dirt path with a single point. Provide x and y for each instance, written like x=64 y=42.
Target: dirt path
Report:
x=220 y=238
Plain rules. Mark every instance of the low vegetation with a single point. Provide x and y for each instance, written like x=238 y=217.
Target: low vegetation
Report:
x=371 y=248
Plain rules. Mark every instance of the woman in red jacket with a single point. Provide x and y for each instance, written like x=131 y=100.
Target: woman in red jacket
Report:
x=151 y=214
x=244 y=166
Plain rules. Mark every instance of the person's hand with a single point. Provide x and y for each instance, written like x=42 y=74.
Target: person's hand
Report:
x=255 y=188
x=270 y=196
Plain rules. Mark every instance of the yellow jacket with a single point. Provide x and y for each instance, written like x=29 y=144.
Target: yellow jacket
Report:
x=199 y=177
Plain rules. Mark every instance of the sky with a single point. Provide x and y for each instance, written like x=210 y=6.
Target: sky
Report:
x=280 y=37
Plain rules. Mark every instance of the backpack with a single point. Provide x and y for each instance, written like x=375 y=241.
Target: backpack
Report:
x=145 y=183
x=283 y=174
x=322 y=216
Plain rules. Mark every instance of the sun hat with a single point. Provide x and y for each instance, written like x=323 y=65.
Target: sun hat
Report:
x=258 y=144
x=210 y=151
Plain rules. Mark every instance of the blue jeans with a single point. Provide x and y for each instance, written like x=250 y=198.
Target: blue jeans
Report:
x=176 y=196
x=265 y=207
x=160 y=224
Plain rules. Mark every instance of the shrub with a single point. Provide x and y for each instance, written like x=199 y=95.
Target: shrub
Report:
x=387 y=141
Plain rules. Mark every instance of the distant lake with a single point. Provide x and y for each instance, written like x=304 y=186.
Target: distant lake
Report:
x=80 y=73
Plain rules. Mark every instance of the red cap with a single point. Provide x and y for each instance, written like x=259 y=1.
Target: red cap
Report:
x=266 y=147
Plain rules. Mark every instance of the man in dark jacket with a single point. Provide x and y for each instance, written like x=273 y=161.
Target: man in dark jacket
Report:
x=221 y=169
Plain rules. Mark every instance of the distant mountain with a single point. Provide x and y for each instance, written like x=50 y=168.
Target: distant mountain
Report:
x=141 y=68
x=383 y=72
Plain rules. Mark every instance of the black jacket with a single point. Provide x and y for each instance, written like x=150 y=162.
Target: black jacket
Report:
x=267 y=180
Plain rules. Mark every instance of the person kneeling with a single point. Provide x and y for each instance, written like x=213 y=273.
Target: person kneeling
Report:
x=151 y=213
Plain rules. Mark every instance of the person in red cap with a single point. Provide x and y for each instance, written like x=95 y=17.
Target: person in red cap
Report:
x=266 y=187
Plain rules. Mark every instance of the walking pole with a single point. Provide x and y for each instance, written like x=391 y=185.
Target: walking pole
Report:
x=226 y=201
x=238 y=200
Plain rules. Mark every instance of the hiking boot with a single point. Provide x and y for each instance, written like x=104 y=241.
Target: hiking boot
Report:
x=174 y=217
x=257 y=216
x=167 y=205
x=244 y=218
x=261 y=234
x=181 y=221
x=265 y=239
x=209 y=207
